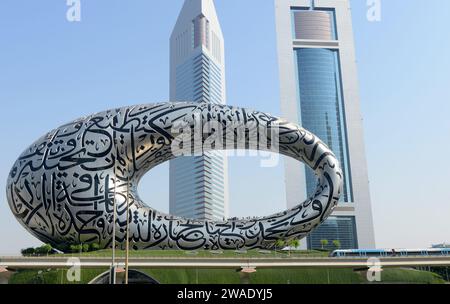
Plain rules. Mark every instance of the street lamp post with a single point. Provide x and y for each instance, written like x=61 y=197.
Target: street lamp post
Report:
x=127 y=242
x=113 y=266
x=112 y=276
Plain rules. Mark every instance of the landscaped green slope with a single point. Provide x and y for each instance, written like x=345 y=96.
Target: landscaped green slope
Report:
x=410 y=276
x=224 y=276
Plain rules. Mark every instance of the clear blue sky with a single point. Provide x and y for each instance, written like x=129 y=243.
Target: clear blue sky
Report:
x=53 y=71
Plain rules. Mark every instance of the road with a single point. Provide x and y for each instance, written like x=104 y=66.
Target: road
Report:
x=217 y=262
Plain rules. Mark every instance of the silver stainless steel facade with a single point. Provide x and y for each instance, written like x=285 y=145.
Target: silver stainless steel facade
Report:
x=198 y=184
x=66 y=185
x=319 y=89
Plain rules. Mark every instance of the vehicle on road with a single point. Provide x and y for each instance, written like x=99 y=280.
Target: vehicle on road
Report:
x=390 y=252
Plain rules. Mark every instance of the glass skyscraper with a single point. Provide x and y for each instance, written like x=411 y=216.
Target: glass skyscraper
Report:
x=198 y=184
x=321 y=105
x=319 y=89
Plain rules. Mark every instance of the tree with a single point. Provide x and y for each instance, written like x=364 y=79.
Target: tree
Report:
x=337 y=244
x=293 y=243
x=44 y=249
x=47 y=248
x=279 y=244
x=28 y=251
x=324 y=243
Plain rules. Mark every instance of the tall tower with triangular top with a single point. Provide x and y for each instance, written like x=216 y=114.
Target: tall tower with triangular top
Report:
x=198 y=184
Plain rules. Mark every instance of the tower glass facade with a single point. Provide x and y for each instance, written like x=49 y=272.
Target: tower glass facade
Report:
x=318 y=88
x=340 y=228
x=321 y=106
x=198 y=184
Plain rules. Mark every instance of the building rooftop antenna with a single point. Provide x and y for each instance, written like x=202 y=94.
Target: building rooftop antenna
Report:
x=311 y=6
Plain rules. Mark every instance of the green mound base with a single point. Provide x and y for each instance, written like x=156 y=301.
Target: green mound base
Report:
x=230 y=276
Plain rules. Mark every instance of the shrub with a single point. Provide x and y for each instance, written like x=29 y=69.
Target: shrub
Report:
x=28 y=251
x=64 y=247
x=94 y=247
x=44 y=249
x=85 y=247
x=76 y=248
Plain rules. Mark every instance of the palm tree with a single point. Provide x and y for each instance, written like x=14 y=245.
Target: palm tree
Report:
x=295 y=243
x=324 y=243
x=337 y=244
x=279 y=244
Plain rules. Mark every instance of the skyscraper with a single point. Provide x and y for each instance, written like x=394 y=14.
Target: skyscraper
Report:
x=198 y=184
x=319 y=89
